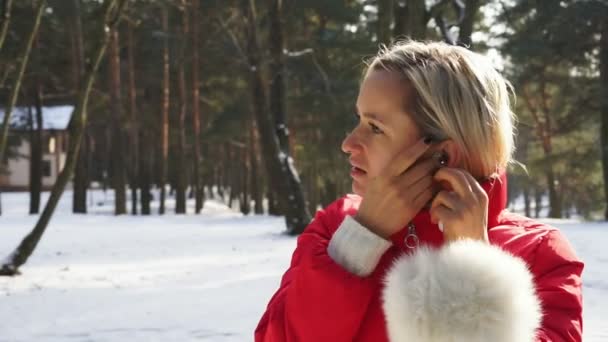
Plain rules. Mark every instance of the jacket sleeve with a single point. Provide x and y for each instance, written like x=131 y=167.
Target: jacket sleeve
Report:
x=318 y=300
x=558 y=284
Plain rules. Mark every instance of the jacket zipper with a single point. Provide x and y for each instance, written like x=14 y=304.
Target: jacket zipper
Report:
x=411 y=240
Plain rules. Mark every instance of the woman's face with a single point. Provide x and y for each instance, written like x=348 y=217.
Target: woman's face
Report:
x=384 y=127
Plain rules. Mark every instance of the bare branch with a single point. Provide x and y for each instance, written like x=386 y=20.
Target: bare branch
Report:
x=233 y=38
x=298 y=53
x=460 y=8
x=315 y=62
x=437 y=9
x=445 y=30
x=325 y=78
x=5 y=19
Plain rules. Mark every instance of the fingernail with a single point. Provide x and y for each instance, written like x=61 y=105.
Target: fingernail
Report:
x=428 y=139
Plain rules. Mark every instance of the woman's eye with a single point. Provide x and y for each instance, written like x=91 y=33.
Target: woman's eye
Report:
x=375 y=129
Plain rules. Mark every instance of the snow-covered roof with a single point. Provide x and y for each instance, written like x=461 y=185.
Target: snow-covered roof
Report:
x=53 y=117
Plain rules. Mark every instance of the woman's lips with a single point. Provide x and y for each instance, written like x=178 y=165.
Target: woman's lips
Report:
x=357 y=172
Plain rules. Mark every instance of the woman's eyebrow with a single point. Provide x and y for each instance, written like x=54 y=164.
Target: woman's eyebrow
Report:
x=369 y=115
x=373 y=117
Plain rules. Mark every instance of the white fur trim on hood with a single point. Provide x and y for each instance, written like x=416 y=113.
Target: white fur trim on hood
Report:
x=465 y=291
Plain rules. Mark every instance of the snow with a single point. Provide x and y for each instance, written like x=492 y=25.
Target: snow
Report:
x=207 y=277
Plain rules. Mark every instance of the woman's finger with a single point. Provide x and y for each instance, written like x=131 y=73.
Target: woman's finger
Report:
x=448 y=199
x=422 y=184
x=417 y=172
x=423 y=197
x=457 y=180
x=473 y=183
x=441 y=214
x=421 y=192
x=404 y=159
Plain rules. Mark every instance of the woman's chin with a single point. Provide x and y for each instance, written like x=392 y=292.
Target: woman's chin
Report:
x=358 y=188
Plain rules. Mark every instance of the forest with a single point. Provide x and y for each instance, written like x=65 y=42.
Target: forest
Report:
x=249 y=100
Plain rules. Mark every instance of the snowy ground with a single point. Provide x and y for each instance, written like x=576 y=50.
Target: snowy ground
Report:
x=98 y=277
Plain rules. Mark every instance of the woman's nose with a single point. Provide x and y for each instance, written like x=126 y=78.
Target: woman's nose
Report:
x=350 y=144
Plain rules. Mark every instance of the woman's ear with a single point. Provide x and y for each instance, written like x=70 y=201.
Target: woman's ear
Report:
x=452 y=151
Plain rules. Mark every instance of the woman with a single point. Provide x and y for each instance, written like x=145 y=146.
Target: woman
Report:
x=425 y=250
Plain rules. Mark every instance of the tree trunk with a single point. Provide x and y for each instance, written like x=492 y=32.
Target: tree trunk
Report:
x=223 y=172
x=107 y=138
x=245 y=180
x=555 y=203
x=416 y=20
x=277 y=66
x=312 y=187
x=36 y=141
x=385 y=20
x=5 y=18
x=526 y=192
x=118 y=135
x=79 y=119
x=411 y=19
x=257 y=187
x=279 y=165
x=256 y=192
x=231 y=174
x=180 y=189
x=199 y=191
x=329 y=192
x=145 y=168
x=165 y=111
x=218 y=169
x=521 y=154
x=36 y=152
x=273 y=204
x=466 y=26
x=81 y=173
x=400 y=19
x=81 y=178
x=538 y=201
x=14 y=93
x=542 y=121
x=25 y=54
x=604 y=109
x=133 y=121
x=214 y=177
x=206 y=170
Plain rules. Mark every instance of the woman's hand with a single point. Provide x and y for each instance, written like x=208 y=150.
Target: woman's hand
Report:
x=395 y=196
x=463 y=212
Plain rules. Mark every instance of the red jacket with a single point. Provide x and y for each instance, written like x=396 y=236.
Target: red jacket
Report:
x=319 y=300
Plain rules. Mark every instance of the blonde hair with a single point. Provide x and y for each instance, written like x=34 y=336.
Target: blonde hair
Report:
x=457 y=95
